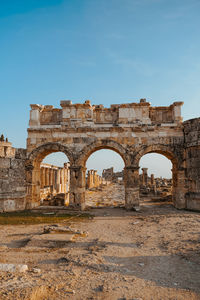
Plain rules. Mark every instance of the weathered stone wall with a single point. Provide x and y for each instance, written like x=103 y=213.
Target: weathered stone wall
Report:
x=12 y=177
x=192 y=145
x=132 y=130
x=86 y=114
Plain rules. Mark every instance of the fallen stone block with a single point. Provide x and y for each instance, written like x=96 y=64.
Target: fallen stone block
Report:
x=13 y=268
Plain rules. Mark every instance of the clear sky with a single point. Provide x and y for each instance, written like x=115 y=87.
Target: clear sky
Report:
x=108 y=51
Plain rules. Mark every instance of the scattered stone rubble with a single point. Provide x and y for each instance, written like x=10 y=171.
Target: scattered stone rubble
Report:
x=151 y=186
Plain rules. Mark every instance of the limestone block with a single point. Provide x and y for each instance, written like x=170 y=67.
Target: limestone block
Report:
x=9 y=205
x=4 y=173
x=13 y=268
x=127 y=113
x=17 y=163
x=4 y=162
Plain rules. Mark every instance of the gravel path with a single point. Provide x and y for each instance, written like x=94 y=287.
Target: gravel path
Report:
x=151 y=254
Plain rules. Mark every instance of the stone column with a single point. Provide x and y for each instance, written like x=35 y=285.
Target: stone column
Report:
x=46 y=176
x=77 y=187
x=35 y=114
x=153 y=184
x=58 y=181
x=54 y=180
x=51 y=179
x=42 y=177
x=88 y=180
x=95 y=178
x=144 y=177
x=68 y=180
x=131 y=183
x=65 y=180
x=92 y=178
x=152 y=179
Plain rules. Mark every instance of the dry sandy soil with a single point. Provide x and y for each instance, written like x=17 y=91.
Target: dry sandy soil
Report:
x=151 y=254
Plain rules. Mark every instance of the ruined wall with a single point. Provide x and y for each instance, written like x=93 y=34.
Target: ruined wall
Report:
x=107 y=174
x=110 y=175
x=132 y=130
x=12 y=177
x=87 y=115
x=192 y=146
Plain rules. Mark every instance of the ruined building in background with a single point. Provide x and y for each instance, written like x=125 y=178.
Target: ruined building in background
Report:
x=110 y=175
x=151 y=186
x=78 y=130
x=54 y=184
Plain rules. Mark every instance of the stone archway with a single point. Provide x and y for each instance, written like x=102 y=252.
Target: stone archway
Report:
x=178 y=170
x=78 y=170
x=104 y=144
x=33 y=169
x=99 y=145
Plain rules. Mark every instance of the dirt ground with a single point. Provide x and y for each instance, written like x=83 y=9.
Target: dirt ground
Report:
x=119 y=254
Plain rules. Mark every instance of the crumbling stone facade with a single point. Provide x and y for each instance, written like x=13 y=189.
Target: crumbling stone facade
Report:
x=132 y=130
x=192 y=163
x=110 y=175
x=13 y=190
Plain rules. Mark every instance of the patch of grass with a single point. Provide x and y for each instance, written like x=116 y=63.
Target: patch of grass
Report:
x=30 y=217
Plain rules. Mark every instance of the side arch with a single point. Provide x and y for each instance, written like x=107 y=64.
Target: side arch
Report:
x=45 y=149
x=33 y=162
x=160 y=149
x=178 y=171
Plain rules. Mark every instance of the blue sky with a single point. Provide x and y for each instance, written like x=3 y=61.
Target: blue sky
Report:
x=108 y=51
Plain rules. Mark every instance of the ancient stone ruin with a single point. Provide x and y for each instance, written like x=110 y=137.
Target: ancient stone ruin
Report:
x=132 y=130
x=155 y=187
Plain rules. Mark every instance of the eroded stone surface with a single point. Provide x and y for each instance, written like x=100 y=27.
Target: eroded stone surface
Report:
x=78 y=130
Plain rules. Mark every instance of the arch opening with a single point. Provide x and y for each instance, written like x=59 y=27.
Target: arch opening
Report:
x=55 y=180
x=101 y=145
x=156 y=178
x=49 y=176
x=104 y=179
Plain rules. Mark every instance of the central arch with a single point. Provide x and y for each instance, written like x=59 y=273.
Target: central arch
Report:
x=102 y=144
x=88 y=150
